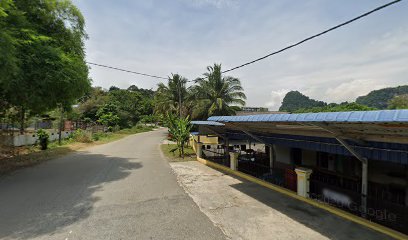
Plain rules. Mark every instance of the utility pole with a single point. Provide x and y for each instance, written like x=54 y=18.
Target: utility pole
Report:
x=60 y=125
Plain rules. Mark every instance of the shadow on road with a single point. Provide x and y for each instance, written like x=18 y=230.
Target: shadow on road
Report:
x=314 y=218
x=39 y=201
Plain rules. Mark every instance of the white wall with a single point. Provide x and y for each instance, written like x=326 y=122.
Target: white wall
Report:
x=30 y=139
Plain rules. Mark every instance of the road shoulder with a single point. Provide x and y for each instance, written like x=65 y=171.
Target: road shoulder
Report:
x=244 y=210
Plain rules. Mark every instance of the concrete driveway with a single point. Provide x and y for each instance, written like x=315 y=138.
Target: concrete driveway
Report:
x=121 y=190
x=245 y=210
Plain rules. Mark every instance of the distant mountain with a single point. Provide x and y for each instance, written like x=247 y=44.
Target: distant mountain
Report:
x=379 y=98
x=294 y=100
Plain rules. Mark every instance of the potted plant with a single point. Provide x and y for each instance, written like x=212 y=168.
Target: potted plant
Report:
x=43 y=138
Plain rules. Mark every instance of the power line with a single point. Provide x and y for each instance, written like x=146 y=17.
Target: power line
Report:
x=271 y=54
x=128 y=71
x=314 y=36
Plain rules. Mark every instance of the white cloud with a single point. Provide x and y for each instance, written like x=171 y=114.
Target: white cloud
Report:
x=160 y=37
x=275 y=99
x=214 y=3
x=349 y=90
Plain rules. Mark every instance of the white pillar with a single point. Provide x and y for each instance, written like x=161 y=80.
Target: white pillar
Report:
x=303 y=183
x=199 y=149
x=234 y=160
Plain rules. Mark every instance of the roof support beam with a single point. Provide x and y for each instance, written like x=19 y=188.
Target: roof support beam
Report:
x=272 y=153
x=364 y=173
x=215 y=132
x=250 y=134
x=224 y=137
x=362 y=159
x=338 y=133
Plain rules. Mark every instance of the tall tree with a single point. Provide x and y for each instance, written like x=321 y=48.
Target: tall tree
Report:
x=172 y=98
x=131 y=106
x=216 y=94
x=47 y=66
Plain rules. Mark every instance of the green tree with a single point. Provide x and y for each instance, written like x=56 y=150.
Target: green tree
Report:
x=179 y=129
x=131 y=106
x=91 y=102
x=216 y=94
x=107 y=116
x=399 y=102
x=172 y=98
x=44 y=49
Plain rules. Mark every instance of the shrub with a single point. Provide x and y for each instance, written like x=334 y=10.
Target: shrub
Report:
x=80 y=135
x=97 y=136
x=43 y=137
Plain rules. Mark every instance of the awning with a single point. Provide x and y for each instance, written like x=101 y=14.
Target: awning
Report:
x=378 y=135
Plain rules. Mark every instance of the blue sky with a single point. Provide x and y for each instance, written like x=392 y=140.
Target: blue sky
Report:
x=184 y=36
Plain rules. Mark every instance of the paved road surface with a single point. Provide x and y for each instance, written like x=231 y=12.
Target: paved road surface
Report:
x=121 y=190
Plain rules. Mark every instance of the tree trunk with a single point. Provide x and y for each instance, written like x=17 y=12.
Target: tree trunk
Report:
x=179 y=150
x=22 y=118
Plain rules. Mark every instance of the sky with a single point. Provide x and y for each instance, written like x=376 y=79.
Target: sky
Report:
x=162 y=37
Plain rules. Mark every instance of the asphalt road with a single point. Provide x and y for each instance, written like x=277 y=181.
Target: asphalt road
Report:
x=120 y=190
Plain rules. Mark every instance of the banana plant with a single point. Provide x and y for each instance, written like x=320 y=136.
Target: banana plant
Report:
x=179 y=129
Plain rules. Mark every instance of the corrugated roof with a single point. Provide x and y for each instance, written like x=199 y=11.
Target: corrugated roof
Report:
x=351 y=117
x=209 y=123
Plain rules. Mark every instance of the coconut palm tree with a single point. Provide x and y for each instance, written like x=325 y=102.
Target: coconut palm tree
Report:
x=171 y=98
x=216 y=94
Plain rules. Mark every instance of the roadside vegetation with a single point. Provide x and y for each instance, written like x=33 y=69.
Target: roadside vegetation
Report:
x=167 y=149
x=21 y=157
x=45 y=86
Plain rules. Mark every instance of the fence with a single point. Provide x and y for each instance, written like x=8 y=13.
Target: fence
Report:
x=380 y=210
x=217 y=156
x=257 y=165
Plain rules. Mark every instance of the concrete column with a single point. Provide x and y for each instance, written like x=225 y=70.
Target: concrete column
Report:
x=199 y=149
x=364 y=183
x=303 y=182
x=226 y=141
x=271 y=157
x=234 y=160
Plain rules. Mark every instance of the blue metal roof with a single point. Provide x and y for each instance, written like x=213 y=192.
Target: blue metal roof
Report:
x=208 y=123
x=346 y=117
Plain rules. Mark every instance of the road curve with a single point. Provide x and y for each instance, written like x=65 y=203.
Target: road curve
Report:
x=121 y=190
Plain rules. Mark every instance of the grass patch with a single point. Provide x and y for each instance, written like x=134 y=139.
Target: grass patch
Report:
x=189 y=154
x=28 y=156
